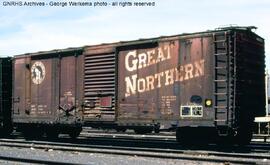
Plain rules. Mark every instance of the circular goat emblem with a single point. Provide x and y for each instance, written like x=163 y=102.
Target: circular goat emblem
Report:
x=38 y=72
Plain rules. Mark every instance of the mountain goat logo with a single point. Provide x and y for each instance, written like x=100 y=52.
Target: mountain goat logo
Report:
x=38 y=72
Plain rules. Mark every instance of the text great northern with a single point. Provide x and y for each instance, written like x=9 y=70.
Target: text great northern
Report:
x=135 y=61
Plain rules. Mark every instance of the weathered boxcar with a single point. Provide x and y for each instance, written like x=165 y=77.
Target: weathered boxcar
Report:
x=5 y=95
x=46 y=92
x=209 y=81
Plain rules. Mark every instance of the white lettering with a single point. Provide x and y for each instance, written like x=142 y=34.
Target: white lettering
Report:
x=142 y=60
x=150 y=83
x=199 y=68
x=167 y=47
x=160 y=55
x=150 y=57
x=131 y=86
x=134 y=61
x=188 y=71
x=179 y=73
x=158 y=76
x=141 y=85
x=168 y=77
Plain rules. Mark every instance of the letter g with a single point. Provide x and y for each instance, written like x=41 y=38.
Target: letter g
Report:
x=134 y=61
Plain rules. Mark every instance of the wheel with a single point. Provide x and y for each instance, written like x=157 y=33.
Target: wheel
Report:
x=74 y=134
x=143 y=130
x=52 y=134
x=193 y=136
x=243 y=136
x=121 y=129
x=244 y=132
x=183 y=137
x=33 y=133
x=178 y=135
x=6 y=132
x=156 y=129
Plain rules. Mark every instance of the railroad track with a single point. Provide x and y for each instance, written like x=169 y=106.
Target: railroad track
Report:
x=34 y=161
x=154 y=141
x=168 y=140
x=151 y=141
x=194 y=155
x=163 y=135
x=170 y=136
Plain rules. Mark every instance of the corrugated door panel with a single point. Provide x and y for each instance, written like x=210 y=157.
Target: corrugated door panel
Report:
x=99 y=84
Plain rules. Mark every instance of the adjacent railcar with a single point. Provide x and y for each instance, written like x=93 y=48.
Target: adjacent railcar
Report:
x=47 y=94
x=5 y=95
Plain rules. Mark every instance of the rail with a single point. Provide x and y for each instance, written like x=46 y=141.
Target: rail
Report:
x=34 y=161
x=164 y=146
x=198 y=155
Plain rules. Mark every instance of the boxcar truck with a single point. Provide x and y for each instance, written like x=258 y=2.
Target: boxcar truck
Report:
x=5 y=95
x=209 y=84
x=46 y=97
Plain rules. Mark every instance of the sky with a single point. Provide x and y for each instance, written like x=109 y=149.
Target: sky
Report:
x=32 y=29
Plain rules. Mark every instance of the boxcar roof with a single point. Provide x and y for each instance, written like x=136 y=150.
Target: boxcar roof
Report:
x=139 y=41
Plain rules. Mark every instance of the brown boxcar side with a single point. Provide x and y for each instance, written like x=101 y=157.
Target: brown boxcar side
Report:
x=153 y=83
x=200 y=82
x=196 y=82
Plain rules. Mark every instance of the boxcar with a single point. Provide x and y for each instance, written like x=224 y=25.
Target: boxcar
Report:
x=46 y=92
x=202 y=82
x=5 y=95
x=208 y=81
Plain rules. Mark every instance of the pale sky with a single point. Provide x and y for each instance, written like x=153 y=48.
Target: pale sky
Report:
x=31 y=29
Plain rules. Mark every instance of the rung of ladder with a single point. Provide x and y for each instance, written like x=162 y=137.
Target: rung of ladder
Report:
x=221 y=87
x=220 y=93
x=220 y=80
x=219 y=120
x=220 y=41
x=221 y=74
x=220 y=67
x=221 y=48
x=222 y=100
x=222 y=61
x=220 y=107
x=220 y=54
x=221 y=112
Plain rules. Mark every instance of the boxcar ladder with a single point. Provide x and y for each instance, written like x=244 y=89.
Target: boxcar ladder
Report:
x=222 y=61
